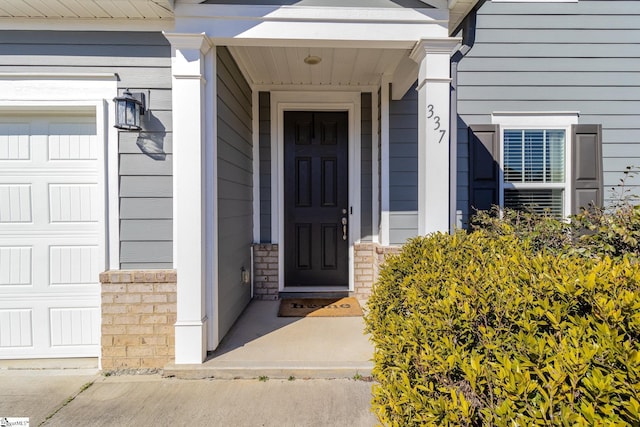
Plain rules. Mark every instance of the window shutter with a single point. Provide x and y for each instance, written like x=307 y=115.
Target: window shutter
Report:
x=484 y=167
x=587 y=181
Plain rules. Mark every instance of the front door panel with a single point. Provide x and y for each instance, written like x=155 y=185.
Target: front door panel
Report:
x=316 y=198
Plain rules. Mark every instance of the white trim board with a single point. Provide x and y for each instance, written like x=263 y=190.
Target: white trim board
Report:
x=294 y=25
x=314 y=101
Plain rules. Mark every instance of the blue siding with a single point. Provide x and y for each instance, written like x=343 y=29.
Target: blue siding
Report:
x=366 y=168
x=580 y=56
x=403 y=168
x=235 y=189
x=265 y=166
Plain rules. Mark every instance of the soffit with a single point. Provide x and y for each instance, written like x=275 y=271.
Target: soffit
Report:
x=87 y=9
x=458 y=10
x=339 y=66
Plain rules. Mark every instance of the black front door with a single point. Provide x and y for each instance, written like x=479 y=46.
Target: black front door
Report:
x=316 y=198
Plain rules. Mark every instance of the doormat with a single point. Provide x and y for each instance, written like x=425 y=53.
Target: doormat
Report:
x=319 y=307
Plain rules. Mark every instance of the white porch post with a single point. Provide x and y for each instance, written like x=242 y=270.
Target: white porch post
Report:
x=189 y=208
x=434 y=82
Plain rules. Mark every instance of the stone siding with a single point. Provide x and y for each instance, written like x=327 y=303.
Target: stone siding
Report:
x=265 y=271
x=138 y=316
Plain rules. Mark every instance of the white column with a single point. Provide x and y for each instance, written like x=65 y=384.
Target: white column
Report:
x=189 y=197
x=433 y=133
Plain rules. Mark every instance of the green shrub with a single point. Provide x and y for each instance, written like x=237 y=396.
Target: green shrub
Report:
x=595 y=232
x=543 y=230
x=614 y=232
x=477 y=329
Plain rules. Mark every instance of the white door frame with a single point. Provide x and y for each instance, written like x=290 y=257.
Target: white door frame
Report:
x=314 y=101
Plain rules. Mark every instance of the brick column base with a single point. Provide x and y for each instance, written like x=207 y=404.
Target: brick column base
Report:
x=265 y=271
x=368 y=258
x=138 y=314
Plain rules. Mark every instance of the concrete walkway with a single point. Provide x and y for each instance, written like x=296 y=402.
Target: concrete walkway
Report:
x=263 y=344
x=67 y=398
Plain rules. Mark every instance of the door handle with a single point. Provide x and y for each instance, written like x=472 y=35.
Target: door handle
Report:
x=344 y=228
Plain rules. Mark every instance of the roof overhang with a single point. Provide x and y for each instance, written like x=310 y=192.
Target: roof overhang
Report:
x=359 y=46
x=458 y=10
x=87 y=15
x=87 y=9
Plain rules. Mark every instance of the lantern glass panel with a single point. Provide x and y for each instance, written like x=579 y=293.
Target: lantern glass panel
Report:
x=122 y=110
x=131 y=116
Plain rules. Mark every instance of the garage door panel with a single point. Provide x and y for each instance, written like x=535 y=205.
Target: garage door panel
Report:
x=73 y=141
x=16 y=328
x=74 y=326
x=15 y=266
x=15 y=203
x=73 y=202
x=73 y=265
x=15 y=141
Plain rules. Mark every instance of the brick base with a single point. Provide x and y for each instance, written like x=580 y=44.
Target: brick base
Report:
x=368 y=258
x=138 y=314
x=265 y=271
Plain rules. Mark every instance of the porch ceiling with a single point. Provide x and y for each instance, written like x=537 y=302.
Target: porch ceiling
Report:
x=87 y=9
x=339 y=66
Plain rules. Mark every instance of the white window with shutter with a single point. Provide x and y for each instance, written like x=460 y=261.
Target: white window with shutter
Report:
x=534 y=167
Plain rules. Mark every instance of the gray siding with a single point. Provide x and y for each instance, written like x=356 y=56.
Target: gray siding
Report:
x=142 y=62
x=379 y=160
x=235 y=189
x=403 y=168
x=366 y=187
x=265 y=166
x=580 y=56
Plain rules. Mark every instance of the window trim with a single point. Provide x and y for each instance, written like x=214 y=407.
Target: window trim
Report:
x=543 y=120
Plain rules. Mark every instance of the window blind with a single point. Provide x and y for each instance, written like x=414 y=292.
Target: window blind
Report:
x=549 y=201
x=532 y=155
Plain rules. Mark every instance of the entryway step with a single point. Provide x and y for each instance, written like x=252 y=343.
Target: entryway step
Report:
x=333 y=294
x=275 y=370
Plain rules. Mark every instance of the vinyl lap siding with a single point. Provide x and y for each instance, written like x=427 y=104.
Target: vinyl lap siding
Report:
x=142 y=62
x=235 y=189
x=403 y=168
x=265 y=166
x=582 y=56
x=366 y=187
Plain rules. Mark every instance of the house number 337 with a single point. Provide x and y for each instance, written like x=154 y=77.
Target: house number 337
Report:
x=436 y=122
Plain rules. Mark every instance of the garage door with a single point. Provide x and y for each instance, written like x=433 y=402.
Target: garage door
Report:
x=51 y=236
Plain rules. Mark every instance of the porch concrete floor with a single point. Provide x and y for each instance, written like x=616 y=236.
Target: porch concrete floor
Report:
x=261 y=344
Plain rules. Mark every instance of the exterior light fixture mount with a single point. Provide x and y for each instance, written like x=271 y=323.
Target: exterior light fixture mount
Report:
x=129 y=107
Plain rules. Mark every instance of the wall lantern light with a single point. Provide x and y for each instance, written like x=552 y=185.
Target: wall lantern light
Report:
x=129 y=107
